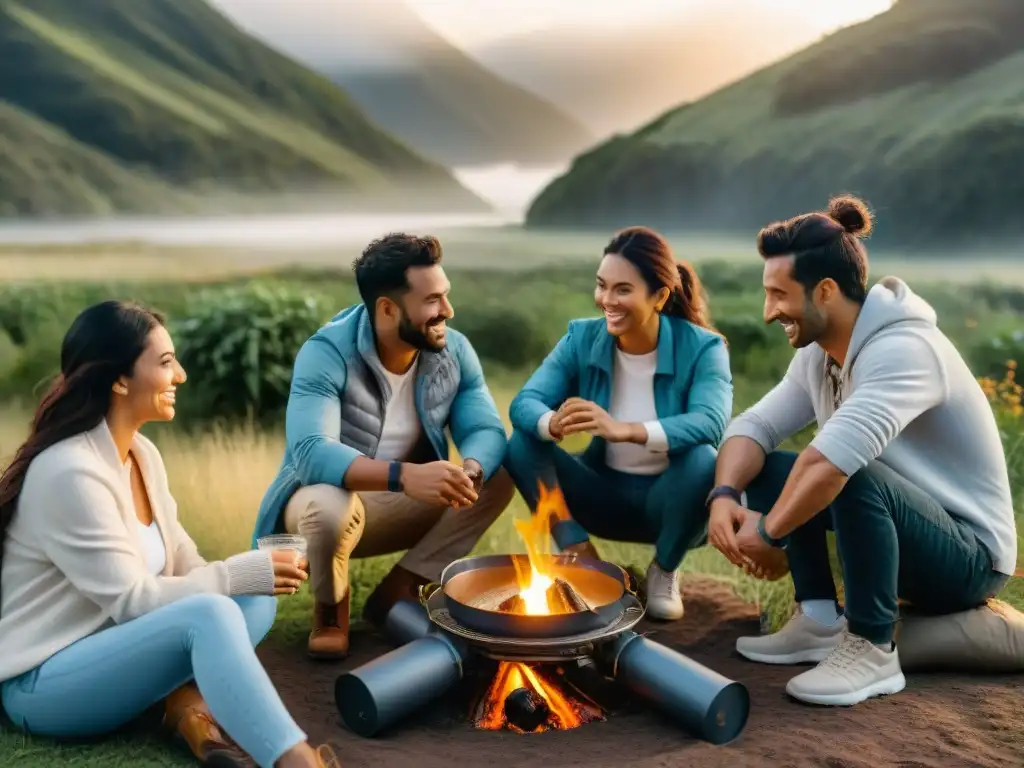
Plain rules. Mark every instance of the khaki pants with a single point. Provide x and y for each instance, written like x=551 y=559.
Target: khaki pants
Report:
x=339 y=525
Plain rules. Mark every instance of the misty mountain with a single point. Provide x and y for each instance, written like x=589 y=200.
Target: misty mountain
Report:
x=614 y=80
x=411 y=80
x=163 y=105
x=917 y=110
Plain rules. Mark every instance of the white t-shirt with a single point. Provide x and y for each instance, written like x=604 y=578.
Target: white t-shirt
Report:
x=632 y=401
x=401 y=431
x=153 y=548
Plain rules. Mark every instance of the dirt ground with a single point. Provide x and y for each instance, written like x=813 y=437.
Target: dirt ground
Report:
x=938 y=720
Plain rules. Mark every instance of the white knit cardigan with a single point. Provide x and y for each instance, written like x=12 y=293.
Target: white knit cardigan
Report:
x=73 y=559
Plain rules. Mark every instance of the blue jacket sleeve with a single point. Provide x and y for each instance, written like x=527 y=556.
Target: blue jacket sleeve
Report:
x=313 y=415
x=554 y=381
x=709 y=405
x=475 y=424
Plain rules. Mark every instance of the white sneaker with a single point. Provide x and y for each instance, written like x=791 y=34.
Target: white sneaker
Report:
x=664 y=598
x=802 y=640
x=856 y=670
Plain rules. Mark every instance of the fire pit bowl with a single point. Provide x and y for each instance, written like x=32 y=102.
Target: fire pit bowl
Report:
x=475 y=587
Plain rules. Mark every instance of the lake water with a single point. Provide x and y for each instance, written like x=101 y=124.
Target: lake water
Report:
x=508 y=188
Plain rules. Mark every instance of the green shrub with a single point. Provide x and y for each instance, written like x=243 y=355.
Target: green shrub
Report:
x=238 y=347
x=25 y=309
x=998 y=297
x=744 y=333
x=720 y=277
x=507 y=336
x=992 y=357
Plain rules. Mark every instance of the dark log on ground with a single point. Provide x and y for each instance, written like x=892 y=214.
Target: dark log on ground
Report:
x=525 y=709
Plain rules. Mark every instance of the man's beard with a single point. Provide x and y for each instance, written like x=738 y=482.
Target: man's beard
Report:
x=812 y=326
x=416 y=338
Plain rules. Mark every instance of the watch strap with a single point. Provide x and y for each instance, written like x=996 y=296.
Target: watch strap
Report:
x=395 y=477
x=763 y=532
x=723 y=490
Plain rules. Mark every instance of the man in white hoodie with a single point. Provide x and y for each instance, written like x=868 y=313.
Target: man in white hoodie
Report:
x=907 y=466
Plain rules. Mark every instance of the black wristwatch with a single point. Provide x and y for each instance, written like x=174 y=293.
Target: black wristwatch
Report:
x=723 y=490
x=776 y=543
x=395 y=477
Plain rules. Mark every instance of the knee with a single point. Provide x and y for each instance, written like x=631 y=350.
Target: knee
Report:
x=259 y=612
x=331 y=513
x=764 y=490
x=858 y=487
x=212 y=613
x=700 y=462
x=694 y=471
x=499 y=489
x=522 y=451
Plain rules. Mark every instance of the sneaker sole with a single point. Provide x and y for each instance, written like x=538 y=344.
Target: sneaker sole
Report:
x=886 y=687
x=662 y=617
x=810 y=656
x=673 y=614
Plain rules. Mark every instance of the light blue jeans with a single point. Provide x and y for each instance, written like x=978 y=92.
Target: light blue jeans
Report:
x=103 y=681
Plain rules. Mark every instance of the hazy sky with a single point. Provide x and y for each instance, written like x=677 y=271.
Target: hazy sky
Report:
x=472 y=22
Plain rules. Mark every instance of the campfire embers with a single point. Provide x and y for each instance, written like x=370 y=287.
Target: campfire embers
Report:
x=527 y=698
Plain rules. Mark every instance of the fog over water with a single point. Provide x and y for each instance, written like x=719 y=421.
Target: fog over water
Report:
x=508 y=188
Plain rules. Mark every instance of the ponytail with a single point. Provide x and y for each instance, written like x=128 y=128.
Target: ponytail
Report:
x=688 y=300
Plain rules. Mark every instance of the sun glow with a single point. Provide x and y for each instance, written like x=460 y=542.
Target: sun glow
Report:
x=474 y=22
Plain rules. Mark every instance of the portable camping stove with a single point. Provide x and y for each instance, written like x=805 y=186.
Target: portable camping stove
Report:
x=544 y=677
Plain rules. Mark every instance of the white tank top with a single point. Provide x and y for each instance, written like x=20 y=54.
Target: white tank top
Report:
x=153 y=549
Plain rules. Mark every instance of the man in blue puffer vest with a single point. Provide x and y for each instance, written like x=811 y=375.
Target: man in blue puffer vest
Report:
x=365 y=470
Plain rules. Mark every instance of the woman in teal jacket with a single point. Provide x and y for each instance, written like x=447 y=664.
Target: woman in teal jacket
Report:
x=650 y=383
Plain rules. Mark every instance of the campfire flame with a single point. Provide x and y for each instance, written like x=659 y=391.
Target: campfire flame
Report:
x=535 y=585
x=540 y=593
x=565 y=712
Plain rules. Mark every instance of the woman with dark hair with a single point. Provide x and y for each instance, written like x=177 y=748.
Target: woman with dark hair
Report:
x=106 y=606
x=650 y=383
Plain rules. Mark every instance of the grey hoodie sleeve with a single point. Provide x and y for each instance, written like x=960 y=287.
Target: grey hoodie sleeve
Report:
x=781 y=413
x=896 y=378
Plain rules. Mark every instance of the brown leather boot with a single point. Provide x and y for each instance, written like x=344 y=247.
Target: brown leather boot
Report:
x=326 y=757
x=399 y=584
x=185 y=714
x=329 y=638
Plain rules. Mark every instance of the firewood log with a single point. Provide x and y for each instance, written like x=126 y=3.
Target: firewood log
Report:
x=514 y=604
x=563 y=598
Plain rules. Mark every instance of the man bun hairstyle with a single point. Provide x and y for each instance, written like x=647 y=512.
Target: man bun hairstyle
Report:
x=825 y=245
x=852 y=214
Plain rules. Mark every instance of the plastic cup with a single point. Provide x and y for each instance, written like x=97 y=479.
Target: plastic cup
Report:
x=287 y=541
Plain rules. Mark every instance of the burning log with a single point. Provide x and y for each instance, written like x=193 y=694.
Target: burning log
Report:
x=526 y=710
x=513 y=604
x=563 y=598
